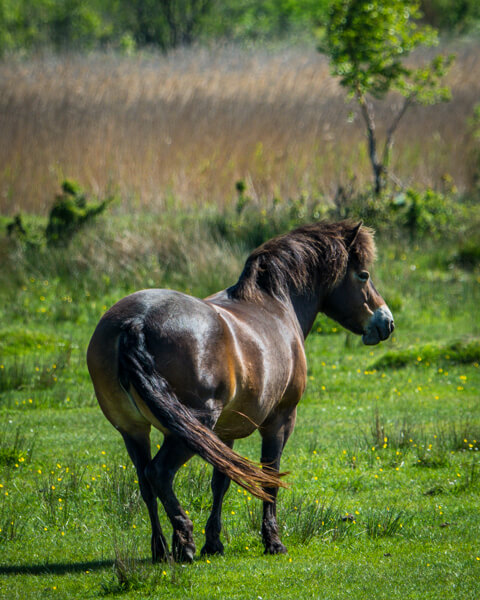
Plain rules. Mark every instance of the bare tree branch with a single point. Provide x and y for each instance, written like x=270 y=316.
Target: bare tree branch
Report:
x=408 y=101
x=368 y=116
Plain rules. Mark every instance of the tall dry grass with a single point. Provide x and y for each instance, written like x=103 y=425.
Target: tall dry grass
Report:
x=188 y=125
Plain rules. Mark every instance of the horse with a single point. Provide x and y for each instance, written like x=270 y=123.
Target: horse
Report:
x=208 y=372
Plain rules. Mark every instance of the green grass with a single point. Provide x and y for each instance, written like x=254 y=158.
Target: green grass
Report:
x=384 y=484
x=463 y=351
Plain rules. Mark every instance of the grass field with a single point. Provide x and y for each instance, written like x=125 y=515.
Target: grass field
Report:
x=384 y=486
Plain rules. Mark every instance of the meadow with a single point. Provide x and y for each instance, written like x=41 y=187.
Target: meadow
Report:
x=384 y=483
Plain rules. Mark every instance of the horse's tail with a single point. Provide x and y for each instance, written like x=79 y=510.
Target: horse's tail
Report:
x=137 y=367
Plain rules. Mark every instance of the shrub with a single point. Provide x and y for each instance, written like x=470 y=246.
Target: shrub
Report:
x=468 y=254
x=422 y=212
x=250 y=223
x=70 y=213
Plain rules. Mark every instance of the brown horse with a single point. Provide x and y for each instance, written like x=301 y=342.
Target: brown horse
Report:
x=207 y=372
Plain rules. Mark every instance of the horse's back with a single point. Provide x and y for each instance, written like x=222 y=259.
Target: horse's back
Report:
x=165 y=315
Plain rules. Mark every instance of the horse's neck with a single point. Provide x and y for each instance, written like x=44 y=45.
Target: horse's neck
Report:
x=306 y=308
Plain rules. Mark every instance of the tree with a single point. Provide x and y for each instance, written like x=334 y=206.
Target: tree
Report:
x=74 y=24
x=183 y=19
x=367 y=42
x=167 y=24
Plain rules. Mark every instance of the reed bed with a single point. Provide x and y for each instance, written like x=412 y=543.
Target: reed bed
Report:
x=183 y=128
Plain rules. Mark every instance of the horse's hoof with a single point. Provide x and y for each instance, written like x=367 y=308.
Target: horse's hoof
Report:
x=184 y=553
x=275 y=548
x=211 y=548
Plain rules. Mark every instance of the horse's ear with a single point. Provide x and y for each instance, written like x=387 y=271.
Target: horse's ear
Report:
x=352 y=235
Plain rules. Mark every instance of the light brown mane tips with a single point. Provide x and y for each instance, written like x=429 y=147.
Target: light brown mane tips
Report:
x=290 y=261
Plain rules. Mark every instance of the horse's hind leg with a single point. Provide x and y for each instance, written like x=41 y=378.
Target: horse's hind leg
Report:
x=139 y=450
x=274 y=437
x=160 y=473
x=220 y=484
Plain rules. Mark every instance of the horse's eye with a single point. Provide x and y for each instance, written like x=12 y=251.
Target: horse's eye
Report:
x=363 y=276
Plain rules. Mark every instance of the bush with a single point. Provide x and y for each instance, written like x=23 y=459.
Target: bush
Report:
x=452 y=15
x=427 y=212
x=468 y=254
x=250 y=224
x=415 y=212
x=70 y=213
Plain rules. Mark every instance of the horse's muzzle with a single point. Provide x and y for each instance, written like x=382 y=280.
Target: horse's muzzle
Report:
x=379 y=327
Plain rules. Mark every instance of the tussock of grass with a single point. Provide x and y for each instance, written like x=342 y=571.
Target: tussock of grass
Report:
x=463 y=351
x=429 y=447
x=396 y=436
x=470 y=482
x=384 y=523
x=305 y=520
x=15 y=447
x=122 y=496
x=12 y=524
x=131 y=573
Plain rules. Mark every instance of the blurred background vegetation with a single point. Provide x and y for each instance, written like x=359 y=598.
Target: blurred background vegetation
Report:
x=129 y=24
x=224 y=119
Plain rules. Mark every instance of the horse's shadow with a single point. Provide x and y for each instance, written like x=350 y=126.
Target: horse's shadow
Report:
x=55 y=568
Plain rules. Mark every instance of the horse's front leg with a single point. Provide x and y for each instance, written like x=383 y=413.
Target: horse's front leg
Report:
x=220 y=484
x=275 y=434
x=161 y=472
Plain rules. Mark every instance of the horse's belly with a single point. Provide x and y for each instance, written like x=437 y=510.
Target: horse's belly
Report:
x=242 y=416
x=234 y=425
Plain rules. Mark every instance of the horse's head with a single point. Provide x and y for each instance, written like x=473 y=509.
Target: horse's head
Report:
x=355 y=303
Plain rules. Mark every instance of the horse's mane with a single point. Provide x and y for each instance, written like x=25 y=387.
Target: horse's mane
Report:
x=289 y=262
